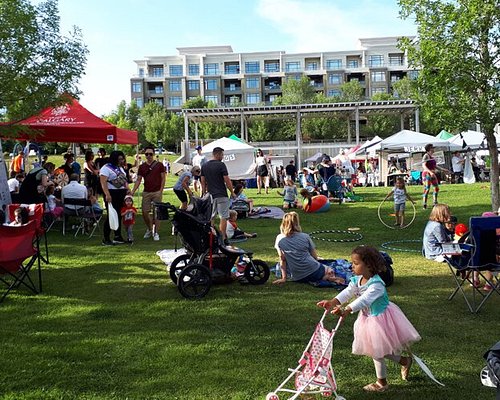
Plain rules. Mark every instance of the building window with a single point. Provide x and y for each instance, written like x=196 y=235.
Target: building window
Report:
x=253 y=83
x=175 y=86
x=352 y=63
x=312 y=66
x=252 y=67
x=141 y=72
x=212 y=99
x=232 y=69
x=253 y=98
x=294 y=78
x=139 y=102
x=333 y=93
x=193 y=85
x=396 y=60
x=334 y=64
x=292 y=66
x=175 y=70
x=378 y=90
x=211 y=69
x=211 y=84
x=273 y=66
x=375 y=61
x=175 y=101
x=136 y=87
x=158 y=101
x=413 y=74
x=157 y=72
x=193 y=69
x=377 y=76
x=334 y=79
x=158 y=89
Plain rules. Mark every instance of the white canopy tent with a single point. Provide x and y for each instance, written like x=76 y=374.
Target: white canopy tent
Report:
x=239 y=157
x=414 y=142
x=370 y=146
x=473 y=140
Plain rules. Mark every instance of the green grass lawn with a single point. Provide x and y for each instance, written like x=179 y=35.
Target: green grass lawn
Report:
x=111 y=325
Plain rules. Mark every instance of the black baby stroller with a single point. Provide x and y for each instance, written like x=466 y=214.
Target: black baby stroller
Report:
x=208 y=259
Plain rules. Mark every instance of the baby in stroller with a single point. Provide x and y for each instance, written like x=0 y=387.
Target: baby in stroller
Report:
x=207 y=259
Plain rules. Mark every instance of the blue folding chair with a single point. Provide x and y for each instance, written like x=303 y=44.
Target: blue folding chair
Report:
x=334 y=186
x=484 y=242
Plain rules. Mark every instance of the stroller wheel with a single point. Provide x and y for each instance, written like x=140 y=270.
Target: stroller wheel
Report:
x=256 y=272
x=194 y=281
x=177 y=266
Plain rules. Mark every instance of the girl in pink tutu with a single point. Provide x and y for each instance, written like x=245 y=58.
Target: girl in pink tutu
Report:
x=381 y=330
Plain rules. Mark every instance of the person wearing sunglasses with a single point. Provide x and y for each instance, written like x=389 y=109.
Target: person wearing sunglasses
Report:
x=153 y=174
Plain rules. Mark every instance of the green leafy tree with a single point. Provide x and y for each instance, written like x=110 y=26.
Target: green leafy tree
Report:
x=351 y=91
x=297 y=92
x=458 y=54
x=37 y=62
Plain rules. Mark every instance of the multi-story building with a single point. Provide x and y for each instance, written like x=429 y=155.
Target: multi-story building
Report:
x=219 y=75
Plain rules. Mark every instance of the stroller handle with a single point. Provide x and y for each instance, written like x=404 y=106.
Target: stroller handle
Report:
x=325 y=313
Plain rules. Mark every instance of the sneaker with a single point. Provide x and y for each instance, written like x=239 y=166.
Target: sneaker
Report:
x=119 y=240
x=107 y=243
x=424 y=206
x=156 y=237
x=254 y=235
x=148 y=234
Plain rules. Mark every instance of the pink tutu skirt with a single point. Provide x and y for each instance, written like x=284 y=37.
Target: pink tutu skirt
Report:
x=386 y=333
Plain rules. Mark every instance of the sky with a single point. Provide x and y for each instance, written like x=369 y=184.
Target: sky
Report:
x=117 y=32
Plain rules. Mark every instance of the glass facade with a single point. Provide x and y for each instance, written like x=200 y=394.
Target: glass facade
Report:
x=175 y=70
x=312 y=66
x=157 y=72
x=334 y=64
x=253 y=83
x=292 y=66
x=193 y=69
x=253 y=98
x=212 y=99
x=211 y=84
x=193 y=85
x=352 y=64
x=272 y=66
x=232 y=69
x=136 y=87
x=175 y=101
x=211 y=69
x=377 y=76
x=333 y=93
x=175 y=86
x=375 y=61
x=252 y=67
x=334 y=79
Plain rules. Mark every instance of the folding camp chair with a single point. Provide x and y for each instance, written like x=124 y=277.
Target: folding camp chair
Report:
x=88 y=220
x=483 y=238
x=36 y=214
x=18 y=254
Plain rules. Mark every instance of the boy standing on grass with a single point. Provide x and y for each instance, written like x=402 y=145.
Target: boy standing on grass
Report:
x=128 y=213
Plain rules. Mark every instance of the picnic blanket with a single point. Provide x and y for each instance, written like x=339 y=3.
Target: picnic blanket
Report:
x=168 y=255
x=267 y=212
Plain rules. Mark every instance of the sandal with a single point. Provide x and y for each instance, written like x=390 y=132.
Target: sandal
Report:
x=375 y=387
x=405 y=369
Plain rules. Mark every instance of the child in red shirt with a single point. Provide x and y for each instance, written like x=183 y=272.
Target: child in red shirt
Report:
x=128 y=213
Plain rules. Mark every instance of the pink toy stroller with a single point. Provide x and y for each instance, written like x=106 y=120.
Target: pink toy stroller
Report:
x=314 y=374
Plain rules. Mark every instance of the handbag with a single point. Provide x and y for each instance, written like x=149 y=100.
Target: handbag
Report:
x=114 y=222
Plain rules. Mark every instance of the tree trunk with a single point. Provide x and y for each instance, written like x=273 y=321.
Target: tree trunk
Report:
x=495 y=190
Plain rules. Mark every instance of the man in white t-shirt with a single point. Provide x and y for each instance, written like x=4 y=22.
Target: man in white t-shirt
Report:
x=198 y=161
x=73 y=190
x=14 y=182
x=457 y=165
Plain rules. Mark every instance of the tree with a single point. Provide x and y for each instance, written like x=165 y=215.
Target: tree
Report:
x=350 y=92
x=37 y=63
x=458 y=55
x=297 y=91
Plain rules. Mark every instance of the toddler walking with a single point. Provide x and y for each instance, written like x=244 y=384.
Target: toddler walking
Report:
x=400 y=197
x=128 y=213
x=290 y=195
x=381 y=329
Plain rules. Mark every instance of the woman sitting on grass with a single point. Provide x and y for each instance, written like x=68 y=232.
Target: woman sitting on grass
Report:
x=298 y=254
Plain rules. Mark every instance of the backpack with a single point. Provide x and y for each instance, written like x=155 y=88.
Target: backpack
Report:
x=388 y=275
x=241 y=207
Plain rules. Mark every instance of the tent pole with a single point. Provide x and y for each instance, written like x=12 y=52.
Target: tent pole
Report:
x=402 y=121
x=299 y=140
x=417 y=120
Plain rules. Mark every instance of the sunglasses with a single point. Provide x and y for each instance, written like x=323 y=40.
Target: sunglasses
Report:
x=149 y=154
